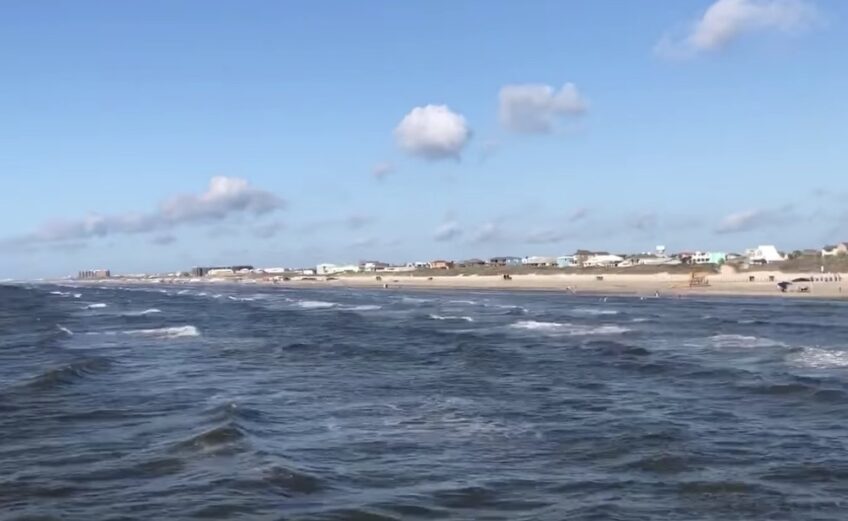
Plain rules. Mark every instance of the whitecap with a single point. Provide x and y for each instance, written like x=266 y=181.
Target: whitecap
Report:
x=820 y=358
x=240 y=299
x=98 y=305
x=595 y=311
x=315 y=304
x=467 y=302
x=442 y=317
x=142 y=313
x=413 y=300
x=60 y=293
x=77 y=295
x=167 y=332
x=364 y=307
x=569 y=329
x=742 y=341
x=65 y=330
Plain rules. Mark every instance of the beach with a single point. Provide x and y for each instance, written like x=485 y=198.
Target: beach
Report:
x=726 y=283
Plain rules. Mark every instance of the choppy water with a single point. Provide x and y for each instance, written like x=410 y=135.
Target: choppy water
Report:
x=265 y=403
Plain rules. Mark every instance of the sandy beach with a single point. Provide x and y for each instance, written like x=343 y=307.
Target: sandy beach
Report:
x=764 y=283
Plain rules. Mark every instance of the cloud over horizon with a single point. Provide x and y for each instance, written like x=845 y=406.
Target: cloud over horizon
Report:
x=726 y=20
x=447 y=231
x=747 y=220
x=224 y=197
x=433 y=132
x=534 y=108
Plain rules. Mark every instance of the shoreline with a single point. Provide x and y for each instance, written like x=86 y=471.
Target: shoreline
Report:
x=638 y=285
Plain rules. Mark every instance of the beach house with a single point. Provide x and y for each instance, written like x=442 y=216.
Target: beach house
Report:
x=441 y=265
x=538 y=261
x=505 y=261
x=602 y=261
x=837 y=249
x=566 y=261
x=709 y=257
x=763 y=254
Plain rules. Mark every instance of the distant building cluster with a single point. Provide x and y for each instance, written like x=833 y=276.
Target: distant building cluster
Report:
x=585 y=259
x=94 y=274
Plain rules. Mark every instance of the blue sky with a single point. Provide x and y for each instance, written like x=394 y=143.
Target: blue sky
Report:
x=496 y=128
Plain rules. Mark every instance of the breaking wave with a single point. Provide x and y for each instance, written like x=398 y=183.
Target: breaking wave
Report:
x=167 y=332
x=595 y=311
x=98 y=305
x=819 y=358
x=442 y=317
x=142 y=313
x=568 y=329
x=315 y=304
x=742 y=341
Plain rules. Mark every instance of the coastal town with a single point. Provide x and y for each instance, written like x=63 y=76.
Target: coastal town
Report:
x=764 y=269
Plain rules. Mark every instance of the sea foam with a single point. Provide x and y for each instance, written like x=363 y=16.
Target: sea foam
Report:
x=569 y=329
x=167 y=332
x=443 y=317
x=819 y=358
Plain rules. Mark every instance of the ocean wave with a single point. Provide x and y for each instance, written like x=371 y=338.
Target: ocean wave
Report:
x=466 y=302
x=142 y=313
x=167 y=332
x=595 y=311
x=819 y=358
x=240 y=299
x=65 y=330
x=569 y=329
x=443 y=317
x=742 y=341
x=364 y=307
x=68 y=374
x=98 y=305
x=61 y=293
x=314 y=304
x=414 y=300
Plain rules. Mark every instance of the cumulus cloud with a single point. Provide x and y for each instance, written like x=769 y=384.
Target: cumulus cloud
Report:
x=224 y=197
x=382 y=170
x=433 y=132
x=447 y=231
x=726 y=20
x=534 y=108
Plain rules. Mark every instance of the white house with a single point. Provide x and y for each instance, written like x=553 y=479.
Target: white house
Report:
x=602 y=261
x=332 y=269
x=833 y=251
x=764 y=254
x=221 y=272
x=536 y=260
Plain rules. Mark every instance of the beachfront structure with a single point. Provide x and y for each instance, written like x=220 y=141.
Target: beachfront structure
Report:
x=647 y=259
x=202 y=271
x=333 y=269
x=94 y=274
x=220 y=272
x=471 y=263
x=764 y=254
x=441 y=265
x=373 y=265
x=709 y=257
x=538 y=261
x=566 y=261
x=602 y=261
x=505 y=261
x=836 y=249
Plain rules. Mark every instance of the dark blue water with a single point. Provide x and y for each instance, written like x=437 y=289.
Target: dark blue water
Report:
x=266 y=403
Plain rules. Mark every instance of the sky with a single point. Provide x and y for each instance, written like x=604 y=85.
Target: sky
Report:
x=155 y=136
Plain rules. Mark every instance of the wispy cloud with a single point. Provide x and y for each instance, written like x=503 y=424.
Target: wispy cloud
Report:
x=382 y=170
x=747 y=220
x=447 y=231
x=268 y=230
x=534 y=108
x=224 y=197
x=488 y=232
x=163 y=240
x=726 y=20
x=433 y=132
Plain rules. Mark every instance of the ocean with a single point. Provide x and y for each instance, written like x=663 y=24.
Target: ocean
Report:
x=272 y=403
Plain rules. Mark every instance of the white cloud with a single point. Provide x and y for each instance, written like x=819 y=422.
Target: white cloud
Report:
x=726 y=20
x=534 y=108
x=748 y=220
x=447 y=231
x=382 y=170
x=433 y=132
x=224 y=197
x=488 y=232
